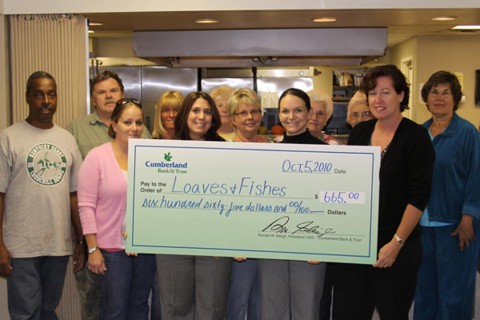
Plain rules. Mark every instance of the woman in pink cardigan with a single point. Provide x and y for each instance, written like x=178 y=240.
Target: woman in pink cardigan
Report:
x=102 y=193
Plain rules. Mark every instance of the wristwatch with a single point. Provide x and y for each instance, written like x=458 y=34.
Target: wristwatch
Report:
x=399 y=240
x=92 y=250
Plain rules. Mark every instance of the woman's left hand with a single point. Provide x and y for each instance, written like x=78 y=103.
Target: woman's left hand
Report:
x=464 y=232
x=387 y=255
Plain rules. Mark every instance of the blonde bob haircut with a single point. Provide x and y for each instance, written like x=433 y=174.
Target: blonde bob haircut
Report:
x=173 y=99
x=245 y=96
x=318 y=95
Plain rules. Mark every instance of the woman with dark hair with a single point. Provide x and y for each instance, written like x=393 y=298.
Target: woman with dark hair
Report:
x=405 y=183
x=197 y=119
x=102 y=197
x=195 y=287
x=450 y=223
x=292 y=289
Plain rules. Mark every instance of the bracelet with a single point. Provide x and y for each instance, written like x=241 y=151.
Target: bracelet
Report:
x=399 y=240
x=92 y=250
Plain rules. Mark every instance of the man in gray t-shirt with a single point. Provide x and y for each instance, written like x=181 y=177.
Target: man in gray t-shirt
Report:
x=39 y=163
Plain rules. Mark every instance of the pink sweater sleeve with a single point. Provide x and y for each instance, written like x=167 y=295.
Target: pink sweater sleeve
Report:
x=88 y=185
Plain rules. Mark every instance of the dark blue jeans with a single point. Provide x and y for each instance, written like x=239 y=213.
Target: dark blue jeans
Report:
x=126 y=285
x=35 y=287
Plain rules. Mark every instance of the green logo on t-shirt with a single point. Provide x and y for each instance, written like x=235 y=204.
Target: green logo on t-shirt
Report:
x=46 y=164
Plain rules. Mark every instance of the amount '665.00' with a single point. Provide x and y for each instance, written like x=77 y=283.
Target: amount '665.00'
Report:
x=341 y=197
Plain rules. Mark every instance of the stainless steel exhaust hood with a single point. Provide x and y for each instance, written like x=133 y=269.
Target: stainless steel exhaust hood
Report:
x=261 y=47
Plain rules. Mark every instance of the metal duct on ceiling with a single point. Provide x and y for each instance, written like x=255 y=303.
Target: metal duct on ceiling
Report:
x=261 y=47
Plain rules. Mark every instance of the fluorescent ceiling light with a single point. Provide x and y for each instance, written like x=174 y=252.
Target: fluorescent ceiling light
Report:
x=92 y=23
x=444 y=18
x=324 y=19
x=466 y=27
x=206 y=21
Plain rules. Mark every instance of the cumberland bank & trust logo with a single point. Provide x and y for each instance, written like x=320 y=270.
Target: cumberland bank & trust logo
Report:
x=167 y=165
x=46 y=164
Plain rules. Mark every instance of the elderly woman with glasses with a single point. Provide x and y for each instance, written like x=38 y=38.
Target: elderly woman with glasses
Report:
x=358 y=110
x=102 y=191
x=450 y=223
x=322 y=111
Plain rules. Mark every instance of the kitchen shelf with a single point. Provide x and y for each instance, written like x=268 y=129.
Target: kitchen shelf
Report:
x=343 y=93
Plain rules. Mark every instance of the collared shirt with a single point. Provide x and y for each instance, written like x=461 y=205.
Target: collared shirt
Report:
x=90 y=132
x=456 y=175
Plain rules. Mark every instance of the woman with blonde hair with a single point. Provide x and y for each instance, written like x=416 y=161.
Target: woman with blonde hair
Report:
x=244 y=295
x=220 y=96
x=166 y=111
x=246 y=112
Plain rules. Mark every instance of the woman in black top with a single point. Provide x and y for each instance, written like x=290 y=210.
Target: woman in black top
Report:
x=292 y=289
x=405 y=183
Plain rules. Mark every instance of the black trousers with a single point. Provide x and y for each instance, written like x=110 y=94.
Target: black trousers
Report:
x=358 y=289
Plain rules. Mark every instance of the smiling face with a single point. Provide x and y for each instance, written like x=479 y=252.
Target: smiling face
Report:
x=199 y=119
x=318 y=117
x=383 y=100
x=168 y=115
x=247 y=119
x=293 y=114
x=129 y=124
x=42 y=102
x=440 y=101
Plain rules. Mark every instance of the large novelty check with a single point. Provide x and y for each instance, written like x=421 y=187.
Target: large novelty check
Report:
x=278 y=201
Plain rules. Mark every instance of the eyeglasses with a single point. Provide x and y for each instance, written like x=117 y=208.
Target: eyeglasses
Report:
x=364 y=114
x=123 y=101
x=245 y=114
x=319 y=114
